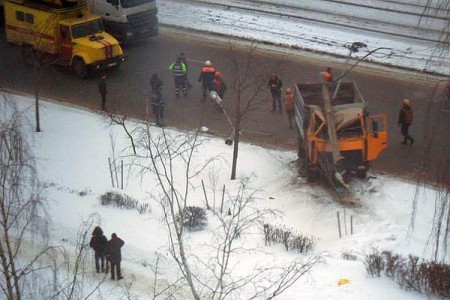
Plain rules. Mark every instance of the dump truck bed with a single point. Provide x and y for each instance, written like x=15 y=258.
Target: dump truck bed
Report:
x=311 y=93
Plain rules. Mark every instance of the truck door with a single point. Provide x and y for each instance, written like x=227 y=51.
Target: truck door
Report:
x=65 y=43
x=376 y=135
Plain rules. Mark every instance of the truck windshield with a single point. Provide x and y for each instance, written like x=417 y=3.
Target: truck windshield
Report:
x=87 y=29
x=133 y=3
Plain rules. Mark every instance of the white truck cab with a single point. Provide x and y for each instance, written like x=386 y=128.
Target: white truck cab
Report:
x=127 y=20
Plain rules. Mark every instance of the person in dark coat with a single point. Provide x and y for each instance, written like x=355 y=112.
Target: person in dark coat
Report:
x=114 y=255
x=155 y=83
x=275 y=84
x=405 y=118
x=206 y=78
x=98 y=243
x=102 y=88
x=158 y=105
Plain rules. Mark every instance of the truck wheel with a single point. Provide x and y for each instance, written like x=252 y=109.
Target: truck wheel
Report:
x=362 y=173
x=311 y=173
x=80 y=68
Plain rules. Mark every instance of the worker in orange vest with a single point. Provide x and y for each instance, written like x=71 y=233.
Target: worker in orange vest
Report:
x=327 y=75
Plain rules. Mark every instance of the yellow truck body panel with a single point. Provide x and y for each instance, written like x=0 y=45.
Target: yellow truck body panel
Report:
x=33 y=25
x=72 y=34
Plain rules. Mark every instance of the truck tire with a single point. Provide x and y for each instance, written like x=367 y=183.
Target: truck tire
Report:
x=362 y=173
x=311 y=172
x=80 y=68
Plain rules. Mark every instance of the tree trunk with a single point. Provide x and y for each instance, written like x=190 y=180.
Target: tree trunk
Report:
x=235 y=148
x=36 y=96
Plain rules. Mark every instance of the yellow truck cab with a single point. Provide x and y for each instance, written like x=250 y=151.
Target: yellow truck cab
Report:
x=71 y=36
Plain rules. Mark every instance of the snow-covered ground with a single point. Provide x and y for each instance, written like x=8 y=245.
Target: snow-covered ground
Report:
x=307 y=36
x=73 y=150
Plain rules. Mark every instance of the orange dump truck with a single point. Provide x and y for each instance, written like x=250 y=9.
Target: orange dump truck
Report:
x=336 y=135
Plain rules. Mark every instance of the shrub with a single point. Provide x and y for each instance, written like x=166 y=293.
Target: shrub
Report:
x=374 y=263
x=291 y=241
x=411 y=273
x=194 y=218
x=124 y=202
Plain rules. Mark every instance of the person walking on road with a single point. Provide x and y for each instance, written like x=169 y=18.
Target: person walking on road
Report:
x=98 y=243
x=289 y=106
x=275 y=84
x=114 y=254
x=102 y=88
x=206 y=78
x=405 y=118
x=179 y=77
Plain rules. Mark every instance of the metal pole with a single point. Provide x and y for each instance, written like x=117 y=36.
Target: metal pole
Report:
x=340 y=76
x=339 y=225
x=223 y=197
x=351 y=224
x=206 y=198
x=110 y=171
x=121 y=174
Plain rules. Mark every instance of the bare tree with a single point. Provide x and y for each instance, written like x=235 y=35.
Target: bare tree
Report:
x=243 y=218
x=167 y=155
x=440 y=9
x=39 y=60
x=22 y=211
x=247 y=83
x=30 y=265
x=435 y=156
x=117 y=119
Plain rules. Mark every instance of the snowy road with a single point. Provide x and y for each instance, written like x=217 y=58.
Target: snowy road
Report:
x=405 y=31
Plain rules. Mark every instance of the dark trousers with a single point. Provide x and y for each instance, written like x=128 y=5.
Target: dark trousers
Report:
x=406 y=136
x=290 y=115
x=207 y=87
x=115 y=269
x=100 y=261
x=276 y=99
x=158 y=111
x=103 y=101
x=180 y=84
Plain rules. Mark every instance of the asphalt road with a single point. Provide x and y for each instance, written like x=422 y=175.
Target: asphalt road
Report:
x=383 y=89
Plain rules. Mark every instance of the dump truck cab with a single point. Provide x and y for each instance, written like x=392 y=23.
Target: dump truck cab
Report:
x=359 y=137
x=86 y=46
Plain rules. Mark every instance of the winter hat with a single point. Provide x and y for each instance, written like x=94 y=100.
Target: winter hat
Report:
x=406 y=101
x=208 y=63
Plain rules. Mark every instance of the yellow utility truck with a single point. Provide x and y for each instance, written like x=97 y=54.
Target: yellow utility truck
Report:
x=65 y=33
x=336 y=134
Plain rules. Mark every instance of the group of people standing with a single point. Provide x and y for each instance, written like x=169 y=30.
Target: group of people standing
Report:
x=107 y=252
x=212 y=80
